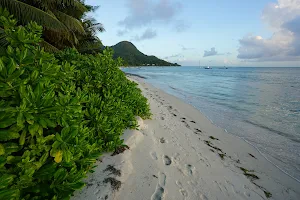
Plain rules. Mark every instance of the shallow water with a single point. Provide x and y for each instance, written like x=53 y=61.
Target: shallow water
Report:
x=261 y=105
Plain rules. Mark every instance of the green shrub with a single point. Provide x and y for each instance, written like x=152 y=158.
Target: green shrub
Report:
x=58 y=113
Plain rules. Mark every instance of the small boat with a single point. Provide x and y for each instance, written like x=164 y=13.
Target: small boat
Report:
x=207 y=67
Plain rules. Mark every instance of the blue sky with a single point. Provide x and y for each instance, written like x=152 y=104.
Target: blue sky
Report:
x=216 y=32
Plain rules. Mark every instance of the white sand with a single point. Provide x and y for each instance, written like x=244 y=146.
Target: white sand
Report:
x=169 y=159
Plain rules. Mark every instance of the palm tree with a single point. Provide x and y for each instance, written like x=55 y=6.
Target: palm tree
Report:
x=61 y=19
x=89 y=42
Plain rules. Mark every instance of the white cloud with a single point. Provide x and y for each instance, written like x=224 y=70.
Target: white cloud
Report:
x=283 y=18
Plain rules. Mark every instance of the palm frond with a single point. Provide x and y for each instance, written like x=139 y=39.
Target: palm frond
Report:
x=70 y=22
x=98 y=27
x=77 y=10
x=26 y=13
x=91 y=26
x=48 y=47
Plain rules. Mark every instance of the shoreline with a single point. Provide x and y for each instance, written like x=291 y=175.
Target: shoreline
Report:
x=181 y=154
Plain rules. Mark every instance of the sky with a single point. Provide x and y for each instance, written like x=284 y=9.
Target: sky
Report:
x=260 y=33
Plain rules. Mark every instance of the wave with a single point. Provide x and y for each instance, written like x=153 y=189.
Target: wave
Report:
x=282 y=170
x=293 y=138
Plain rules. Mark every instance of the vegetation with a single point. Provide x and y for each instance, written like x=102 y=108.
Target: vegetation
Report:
x=133 y=57
x=58 y=113
x=65 y=23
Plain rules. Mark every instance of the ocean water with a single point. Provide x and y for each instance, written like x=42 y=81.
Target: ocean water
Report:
x=260 y=105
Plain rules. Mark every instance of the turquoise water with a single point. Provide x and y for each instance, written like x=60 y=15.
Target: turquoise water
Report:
x=260 y=105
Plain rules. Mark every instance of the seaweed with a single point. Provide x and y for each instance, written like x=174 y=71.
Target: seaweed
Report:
x=113 y=170
x=213 y=138
x=120 y=149
x=115 y=184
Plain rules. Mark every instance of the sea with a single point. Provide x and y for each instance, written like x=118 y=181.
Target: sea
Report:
x=260 y=105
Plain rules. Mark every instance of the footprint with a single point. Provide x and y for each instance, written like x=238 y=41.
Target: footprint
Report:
x=203 y=197
x=190 y=169
x=162 y=140
x=153 y=155
x=167 y=160
x=162 y=118
x=159 y=191
x=176 y=157
x=179 y=184
x=184 y=193
x=162 y=179
x=158 y=194
x=193 y=122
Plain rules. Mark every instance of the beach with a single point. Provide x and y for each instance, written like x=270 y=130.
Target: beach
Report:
x=180 y=154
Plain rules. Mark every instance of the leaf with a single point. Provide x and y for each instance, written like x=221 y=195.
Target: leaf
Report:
x=2 y=152
x=40 y=130
x=6 y=180
x=6 y=135
x=7 y=122
x=44 y=157
x=46 y=172
x=49 y=137
x=22 y=138
x=60 y=175
x=65 y=131
x=58 y=156
x=33 y=128
x=50 y=123
x=11 y=147
x=1 y=65
x=43 y=123
x=20 y=119
x=76 y=186
x=38 y=91
x=9 y=194
x=58 y=137
x=34 y=74
x=67 y=156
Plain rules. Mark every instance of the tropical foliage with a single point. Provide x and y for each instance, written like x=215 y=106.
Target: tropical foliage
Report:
x=65 y=22
x=58 y=113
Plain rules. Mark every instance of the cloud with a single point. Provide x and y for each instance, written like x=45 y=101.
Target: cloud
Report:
x=212 y=52
x=283 y=18
x=144 y=12
x=181 y=26
x=148 y=34
x=183 y=48
x=121 y=32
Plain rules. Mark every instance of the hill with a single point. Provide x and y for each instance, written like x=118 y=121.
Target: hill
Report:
x=133 y=57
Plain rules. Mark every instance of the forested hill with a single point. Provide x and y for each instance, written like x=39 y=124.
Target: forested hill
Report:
x=133 y=57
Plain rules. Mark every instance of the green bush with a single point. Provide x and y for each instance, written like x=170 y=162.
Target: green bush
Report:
x=58 y=113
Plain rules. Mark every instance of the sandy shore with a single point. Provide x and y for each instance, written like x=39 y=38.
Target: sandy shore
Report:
x=180 y=154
